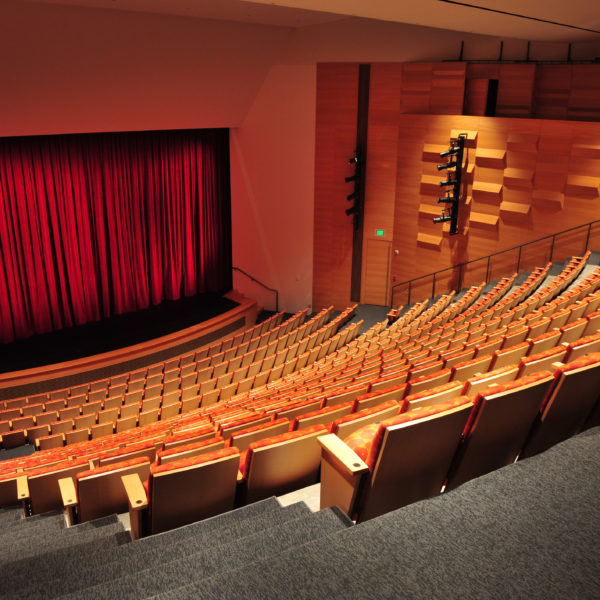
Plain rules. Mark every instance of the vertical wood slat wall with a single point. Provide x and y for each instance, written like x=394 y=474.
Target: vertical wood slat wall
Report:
x=337 y=101
x=525 y=177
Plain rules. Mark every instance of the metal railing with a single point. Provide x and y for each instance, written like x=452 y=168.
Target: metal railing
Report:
x=457 y=274
x=266 y=287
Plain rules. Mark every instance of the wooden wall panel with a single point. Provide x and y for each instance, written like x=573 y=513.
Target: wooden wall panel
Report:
x=523 y=178
x=515 y=90
x=552 y=90
x=380 y=194
x=521 y=167
x=337 y=99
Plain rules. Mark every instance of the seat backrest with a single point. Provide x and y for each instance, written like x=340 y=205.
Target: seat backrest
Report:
x=348 y=424
x=323 y=416
x=541 y=361
x=584 y=345
x=497 y=432
x=170 y=455
x=409 y=455
x=475 y=384
x=44 y=492
x=243 y=438
x=575 y=392
x=282 y=463
x=436 y=395
x=192 y=489
x=101 y=492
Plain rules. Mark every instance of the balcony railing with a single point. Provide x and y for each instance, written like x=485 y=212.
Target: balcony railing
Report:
x=556 y=247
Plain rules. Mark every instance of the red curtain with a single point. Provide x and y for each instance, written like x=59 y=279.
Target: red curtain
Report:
x=102 y=224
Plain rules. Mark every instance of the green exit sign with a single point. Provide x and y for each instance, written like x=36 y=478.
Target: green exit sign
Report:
x=379 y=232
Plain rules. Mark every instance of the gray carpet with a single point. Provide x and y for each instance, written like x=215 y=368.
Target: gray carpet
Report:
x=130 y=560
x=530 y=530
x=218 y=555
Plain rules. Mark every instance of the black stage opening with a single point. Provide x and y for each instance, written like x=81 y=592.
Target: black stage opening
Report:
x=111 y=334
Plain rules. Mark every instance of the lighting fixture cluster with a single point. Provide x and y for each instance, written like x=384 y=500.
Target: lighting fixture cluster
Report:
x=357 y=179
x=452 y=182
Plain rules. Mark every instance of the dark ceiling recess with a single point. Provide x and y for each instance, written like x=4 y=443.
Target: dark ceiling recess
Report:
x=512 y=14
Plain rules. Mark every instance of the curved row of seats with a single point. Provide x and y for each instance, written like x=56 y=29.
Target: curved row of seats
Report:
x=334 y=389
x=75 y=414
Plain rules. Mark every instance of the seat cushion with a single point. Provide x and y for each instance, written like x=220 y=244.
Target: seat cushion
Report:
x=276 y=439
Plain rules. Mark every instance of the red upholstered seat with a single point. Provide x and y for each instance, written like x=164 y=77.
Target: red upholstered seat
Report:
x=546 y=353
x=332 y=411
x=366 y=412
x=366 y=442
x=155 y=468
x=190 y=446
x=277 y=439
x=106 y=469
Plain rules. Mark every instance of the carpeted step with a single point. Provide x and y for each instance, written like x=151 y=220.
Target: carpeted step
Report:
x=28 y=548
x=10 y=514
x=521 y=278
x=218 y=558
x=528 y=530
x=147 y=552
x=43 y=528
x=22 y=520
x=24 y=533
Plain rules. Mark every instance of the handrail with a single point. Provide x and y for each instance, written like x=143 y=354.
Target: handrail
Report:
x=276 y=292
x=520 y=247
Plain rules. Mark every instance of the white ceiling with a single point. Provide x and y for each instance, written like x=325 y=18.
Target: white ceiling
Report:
x=580 y=15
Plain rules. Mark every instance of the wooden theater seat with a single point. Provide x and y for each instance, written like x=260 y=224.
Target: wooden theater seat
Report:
x=323 y=416
x=100 y=492
x=386 y=465
x=502 y=417
x=574 y=393
x=244 y=437
x=348 y=424
x=280 y=464
x=44 y=491
x=183 y=491
x=584 y=345
x=170 y=455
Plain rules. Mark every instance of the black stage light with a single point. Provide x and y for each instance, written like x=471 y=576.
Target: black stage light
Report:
x=351 y=178
x=448 y=182
x=353 y=160
x=446 y=199
x=353 y=210
x=450 y=151
x=352 y=196
x=442 y=219
x=449 y=165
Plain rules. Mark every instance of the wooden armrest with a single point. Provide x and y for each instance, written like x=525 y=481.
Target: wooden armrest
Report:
x=136 y=494
x=22 y=488
x=68 y=492
x=342 y=473
x=138 y=501
x=334 y=447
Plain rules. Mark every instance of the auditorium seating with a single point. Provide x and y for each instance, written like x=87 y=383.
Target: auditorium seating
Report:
x=429 y=356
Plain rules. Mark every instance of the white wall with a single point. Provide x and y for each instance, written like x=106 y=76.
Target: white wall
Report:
x=272 y=179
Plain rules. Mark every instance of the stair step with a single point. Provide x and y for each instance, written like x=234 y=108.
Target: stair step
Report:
x=67 y=576
x=221 y=559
